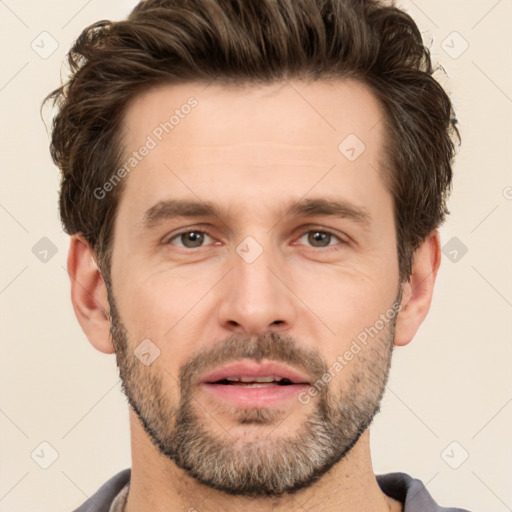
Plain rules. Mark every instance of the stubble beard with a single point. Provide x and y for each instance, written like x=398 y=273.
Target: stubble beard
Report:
x=272 y=464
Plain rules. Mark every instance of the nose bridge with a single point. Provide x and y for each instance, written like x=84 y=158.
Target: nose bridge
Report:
x=252 y=277
x=255 y=298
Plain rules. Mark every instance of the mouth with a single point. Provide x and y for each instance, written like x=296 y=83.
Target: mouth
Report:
x=252 y=384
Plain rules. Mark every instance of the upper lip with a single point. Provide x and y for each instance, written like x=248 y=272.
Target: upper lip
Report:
x=253 y=369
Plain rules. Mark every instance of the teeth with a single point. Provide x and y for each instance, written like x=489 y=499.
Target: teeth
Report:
x=257 y=379
x=258 y=385
x=252 y=379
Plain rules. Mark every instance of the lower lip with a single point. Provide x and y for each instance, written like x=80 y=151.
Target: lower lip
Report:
x=255 y=397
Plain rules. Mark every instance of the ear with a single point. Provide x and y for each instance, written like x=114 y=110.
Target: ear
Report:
x=417 y=292
x=89 y=294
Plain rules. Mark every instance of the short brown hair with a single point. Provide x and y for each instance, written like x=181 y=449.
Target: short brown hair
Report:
x=253 y=42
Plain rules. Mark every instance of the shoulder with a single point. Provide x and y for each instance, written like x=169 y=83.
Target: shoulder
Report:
x=411 y=492
x=101 y=500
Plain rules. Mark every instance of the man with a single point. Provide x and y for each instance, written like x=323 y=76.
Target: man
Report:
x=253 y=191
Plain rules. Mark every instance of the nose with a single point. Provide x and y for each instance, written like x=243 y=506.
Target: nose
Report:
x=257 y=297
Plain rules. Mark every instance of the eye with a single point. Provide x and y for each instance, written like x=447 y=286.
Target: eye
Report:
x=191 y=239
x=194 y=239
x=318 y=238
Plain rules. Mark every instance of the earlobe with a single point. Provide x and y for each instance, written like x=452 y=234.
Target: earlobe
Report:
x=89 y=294
x=418 y=291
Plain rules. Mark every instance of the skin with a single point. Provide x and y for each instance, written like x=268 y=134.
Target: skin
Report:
x=251 y=151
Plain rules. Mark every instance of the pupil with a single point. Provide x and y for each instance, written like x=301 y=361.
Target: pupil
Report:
x=317 y=236
x=192 y=239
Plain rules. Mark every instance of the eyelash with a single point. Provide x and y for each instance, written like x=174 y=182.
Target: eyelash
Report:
x=311 y=230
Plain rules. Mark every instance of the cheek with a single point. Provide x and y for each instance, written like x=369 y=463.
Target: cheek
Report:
x=161 y=305
x=347 y=301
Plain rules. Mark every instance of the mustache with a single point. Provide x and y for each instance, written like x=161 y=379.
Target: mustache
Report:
x=271 y=345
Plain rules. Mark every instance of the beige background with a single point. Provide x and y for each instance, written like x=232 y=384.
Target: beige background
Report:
x=451 y=384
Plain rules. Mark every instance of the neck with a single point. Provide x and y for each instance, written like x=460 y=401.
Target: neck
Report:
x=157 y=482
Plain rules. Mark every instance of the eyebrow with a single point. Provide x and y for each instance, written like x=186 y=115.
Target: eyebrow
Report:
x=340 y=208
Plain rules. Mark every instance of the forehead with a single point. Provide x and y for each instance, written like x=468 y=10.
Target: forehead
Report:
x=284 y=137
x=318 y=113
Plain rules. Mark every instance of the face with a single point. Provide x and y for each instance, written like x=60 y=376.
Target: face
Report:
x=254 y=278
